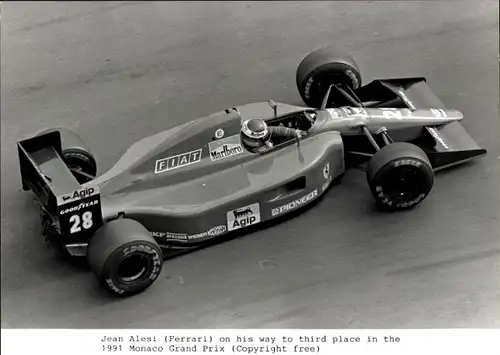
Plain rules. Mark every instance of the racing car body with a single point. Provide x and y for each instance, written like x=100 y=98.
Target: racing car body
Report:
x=195 y=182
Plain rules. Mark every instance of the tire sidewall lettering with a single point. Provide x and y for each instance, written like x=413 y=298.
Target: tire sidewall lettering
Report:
x=354 y=79
x=349 y=73
x=308 y=86
x=384 y=199
x=144 y=249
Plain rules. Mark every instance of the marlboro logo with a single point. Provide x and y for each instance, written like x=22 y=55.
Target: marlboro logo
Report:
x=225 y=151
x=225 y=148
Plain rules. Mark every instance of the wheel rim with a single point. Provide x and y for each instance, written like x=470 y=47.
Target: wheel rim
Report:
x=133 y=269
x=403 y=184
x=77 y=165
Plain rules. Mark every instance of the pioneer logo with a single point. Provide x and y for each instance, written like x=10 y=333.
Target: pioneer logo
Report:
x=79 y=207
x=294 y=204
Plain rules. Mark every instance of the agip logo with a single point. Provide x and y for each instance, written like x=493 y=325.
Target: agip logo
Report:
x=243 y=217
x=77 y=195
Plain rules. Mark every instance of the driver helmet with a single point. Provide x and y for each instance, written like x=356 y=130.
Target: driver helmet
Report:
x=255 y=133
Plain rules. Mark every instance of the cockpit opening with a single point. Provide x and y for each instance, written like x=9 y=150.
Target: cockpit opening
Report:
x=302 y=120
x=264 y=135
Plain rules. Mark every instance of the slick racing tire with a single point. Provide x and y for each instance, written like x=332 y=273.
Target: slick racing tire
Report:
x=124 y=257
x=76 y=155
x=321 y=68
x=400 y=176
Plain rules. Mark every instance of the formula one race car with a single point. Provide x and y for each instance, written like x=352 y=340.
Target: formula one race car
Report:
x=181 y=188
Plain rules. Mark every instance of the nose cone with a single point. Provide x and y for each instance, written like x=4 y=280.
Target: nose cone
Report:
x=441 y=116
x=392 y=118
x=432 y=116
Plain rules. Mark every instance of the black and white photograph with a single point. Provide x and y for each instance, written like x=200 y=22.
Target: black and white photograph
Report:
x=280 y=165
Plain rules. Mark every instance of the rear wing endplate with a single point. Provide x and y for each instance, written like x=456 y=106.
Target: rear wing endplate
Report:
x=44 y=172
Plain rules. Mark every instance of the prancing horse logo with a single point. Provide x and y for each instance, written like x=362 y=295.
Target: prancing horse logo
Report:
x=238 y=213
x=326 y=171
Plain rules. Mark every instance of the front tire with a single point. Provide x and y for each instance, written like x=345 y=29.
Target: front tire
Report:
x=124 y=257
x=321 y=68
x=400 y=176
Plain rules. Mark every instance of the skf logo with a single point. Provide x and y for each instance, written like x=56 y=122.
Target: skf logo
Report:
x=79 y=194
x=243 y=217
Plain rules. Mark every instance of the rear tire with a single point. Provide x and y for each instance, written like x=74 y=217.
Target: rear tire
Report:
x=321 y=68
x=76 y=155
x=400 y=176
x=124 y=257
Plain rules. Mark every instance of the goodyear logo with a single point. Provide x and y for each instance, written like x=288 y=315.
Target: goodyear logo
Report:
x=79 y=207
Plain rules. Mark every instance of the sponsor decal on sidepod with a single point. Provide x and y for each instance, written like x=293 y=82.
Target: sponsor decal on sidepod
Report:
x=225 y=148
x=243 y=217
x=178 y=161
x=219 y=133
x=327 y=176
x=182 y=237
x=212 y=232
x=294 y=204
x=326 y=171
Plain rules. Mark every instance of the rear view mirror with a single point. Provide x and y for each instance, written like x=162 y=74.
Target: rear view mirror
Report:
x=274 y=106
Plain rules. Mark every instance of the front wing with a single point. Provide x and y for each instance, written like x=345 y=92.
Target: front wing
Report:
x=445 y=145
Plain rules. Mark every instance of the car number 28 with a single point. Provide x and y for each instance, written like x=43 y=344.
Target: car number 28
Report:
x=85 y=221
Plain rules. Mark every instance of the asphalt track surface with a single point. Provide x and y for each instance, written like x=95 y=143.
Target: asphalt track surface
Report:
x=116 y=72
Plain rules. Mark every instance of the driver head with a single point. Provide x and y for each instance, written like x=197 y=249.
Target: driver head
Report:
x=254 y=133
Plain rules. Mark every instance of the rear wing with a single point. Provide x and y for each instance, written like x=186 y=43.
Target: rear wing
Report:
x=445 y=145
x=44 y=172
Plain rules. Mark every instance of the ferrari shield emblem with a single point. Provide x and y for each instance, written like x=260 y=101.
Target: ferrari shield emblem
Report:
x=326 y=171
